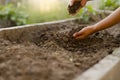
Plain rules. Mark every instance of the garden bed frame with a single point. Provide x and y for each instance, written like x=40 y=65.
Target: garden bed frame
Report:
x=107 y=69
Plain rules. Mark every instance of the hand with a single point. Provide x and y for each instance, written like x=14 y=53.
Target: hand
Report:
x=83 y=2
x=85 y=32
x=75 y=5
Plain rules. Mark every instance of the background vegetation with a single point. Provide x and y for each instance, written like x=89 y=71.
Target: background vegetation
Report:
x=21 y=12
x=109 y=4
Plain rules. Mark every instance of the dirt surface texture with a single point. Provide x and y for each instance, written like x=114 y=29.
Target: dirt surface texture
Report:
x=53 y=55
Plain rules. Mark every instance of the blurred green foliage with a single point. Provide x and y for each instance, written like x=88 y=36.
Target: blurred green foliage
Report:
x=87 y=12
x=18 y=13
x=55 y=14
x=58 y=14
x=11 y=13
x=109 y=4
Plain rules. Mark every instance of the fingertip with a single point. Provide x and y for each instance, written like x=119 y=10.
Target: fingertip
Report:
x=79 y=38
x=83 y=2
x=71 y=3
x=75 y=34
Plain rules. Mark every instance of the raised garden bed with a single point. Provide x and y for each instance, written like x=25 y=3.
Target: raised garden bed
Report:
x=4 y=23
x=48 y=52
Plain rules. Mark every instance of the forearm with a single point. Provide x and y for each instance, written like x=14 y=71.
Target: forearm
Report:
x=109 y=21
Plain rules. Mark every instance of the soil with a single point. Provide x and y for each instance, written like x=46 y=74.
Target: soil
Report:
x=75 y=7
x=53 y=55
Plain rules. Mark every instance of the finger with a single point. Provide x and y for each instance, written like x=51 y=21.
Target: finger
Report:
x=81 y=32
x=83 y=2
x=75 y=34
x=80 y=37
x=71 y=2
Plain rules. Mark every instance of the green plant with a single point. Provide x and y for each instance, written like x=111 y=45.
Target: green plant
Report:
x=13 y=14
x=109 y=4
x=86 y=13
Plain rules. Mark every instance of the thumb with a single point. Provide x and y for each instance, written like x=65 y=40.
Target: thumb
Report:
x=83 y=3
x=71 y=2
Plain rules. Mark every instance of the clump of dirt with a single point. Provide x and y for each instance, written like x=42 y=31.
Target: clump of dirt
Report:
x=53 y=55
x=75 y=7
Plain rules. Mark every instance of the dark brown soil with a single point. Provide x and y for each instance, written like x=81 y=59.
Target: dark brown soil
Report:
x=53 y=55
x=75 y=7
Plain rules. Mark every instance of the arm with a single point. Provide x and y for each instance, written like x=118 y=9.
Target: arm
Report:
x=109 y=21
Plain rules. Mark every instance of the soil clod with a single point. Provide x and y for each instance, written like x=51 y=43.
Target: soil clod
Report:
x=75 y=7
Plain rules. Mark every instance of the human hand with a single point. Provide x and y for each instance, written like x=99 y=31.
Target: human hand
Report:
x=85 y=32
x=82 y=2
x=75 y=5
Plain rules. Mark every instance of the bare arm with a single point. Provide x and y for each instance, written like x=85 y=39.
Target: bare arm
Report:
x=109 y=21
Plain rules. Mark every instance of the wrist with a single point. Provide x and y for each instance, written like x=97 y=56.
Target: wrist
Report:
x=92 y=29
x=95 y=28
